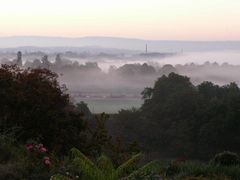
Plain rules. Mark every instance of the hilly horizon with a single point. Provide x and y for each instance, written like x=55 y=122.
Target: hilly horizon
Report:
x=132 y=44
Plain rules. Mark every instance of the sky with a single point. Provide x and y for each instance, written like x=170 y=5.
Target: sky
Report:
x=145 y=19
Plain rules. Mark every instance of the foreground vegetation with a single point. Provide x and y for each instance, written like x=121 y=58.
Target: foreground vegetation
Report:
x=34 y=161
x=43 y=135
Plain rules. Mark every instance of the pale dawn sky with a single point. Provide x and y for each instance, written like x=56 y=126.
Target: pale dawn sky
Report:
x=146 y=19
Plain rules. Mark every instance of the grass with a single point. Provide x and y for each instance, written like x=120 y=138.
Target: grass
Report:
x=199 y=170
x=189 y=171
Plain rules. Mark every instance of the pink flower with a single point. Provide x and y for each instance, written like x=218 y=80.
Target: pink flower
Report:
x=46 y=161
x=43 y=149
x=39 y=146
x=29 y=147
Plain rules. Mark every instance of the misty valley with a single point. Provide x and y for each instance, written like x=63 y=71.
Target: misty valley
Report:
x=111 y=81
x=107 y=114
x=120 y=90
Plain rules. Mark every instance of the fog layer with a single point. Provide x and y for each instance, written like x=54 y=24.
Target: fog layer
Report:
x=94 y=76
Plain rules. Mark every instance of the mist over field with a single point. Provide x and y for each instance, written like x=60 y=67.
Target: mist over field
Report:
x=103 y=76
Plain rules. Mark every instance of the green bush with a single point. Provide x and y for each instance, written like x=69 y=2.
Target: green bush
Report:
x=173 y=169
x=226 y=158
x=207 y=171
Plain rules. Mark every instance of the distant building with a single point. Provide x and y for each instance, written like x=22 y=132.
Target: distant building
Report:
x=45 y=62
x=58 y=61
x=18 y=61
x=19 y=58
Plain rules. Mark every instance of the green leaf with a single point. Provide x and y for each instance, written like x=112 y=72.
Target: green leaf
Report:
x=128 y=165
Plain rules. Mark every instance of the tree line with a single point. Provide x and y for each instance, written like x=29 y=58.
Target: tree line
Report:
x=178 y=118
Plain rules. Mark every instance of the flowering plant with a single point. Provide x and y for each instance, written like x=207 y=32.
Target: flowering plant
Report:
x=39 y=151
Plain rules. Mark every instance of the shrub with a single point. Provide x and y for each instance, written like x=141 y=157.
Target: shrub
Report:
x=11 y=171
x=173 y=169
x=207 y=171
x=226 y=158
x=10 y=150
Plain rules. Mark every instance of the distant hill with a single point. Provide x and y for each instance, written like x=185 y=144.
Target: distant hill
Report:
x=62 y=49
x=118 y=43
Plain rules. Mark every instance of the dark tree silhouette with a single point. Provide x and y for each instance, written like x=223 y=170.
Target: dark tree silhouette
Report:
x=33 y=101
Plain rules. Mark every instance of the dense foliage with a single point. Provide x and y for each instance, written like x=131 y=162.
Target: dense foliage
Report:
x=180 y=119
x=37 y=107
x=39 y=125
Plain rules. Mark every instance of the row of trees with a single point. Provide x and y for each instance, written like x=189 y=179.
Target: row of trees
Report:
x=180 y=119
x=62 y=65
